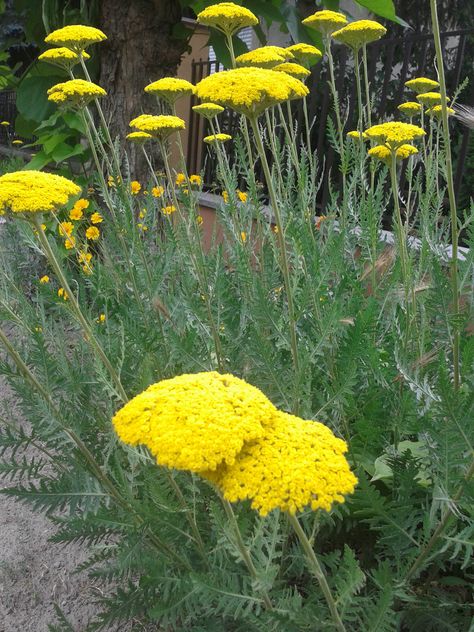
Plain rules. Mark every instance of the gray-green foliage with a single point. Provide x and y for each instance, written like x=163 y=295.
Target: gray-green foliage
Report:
x=366 y=368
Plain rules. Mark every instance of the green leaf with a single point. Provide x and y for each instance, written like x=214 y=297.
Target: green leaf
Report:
x=32 y=100
x=65 y=151
x=39 y=161
x=383 y=8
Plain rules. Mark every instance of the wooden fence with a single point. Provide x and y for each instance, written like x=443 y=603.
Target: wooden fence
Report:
x=391 y=63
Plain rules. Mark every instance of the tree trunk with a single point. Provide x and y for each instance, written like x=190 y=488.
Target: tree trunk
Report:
x=140 y=48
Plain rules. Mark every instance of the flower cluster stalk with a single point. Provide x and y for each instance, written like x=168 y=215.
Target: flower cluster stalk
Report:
x=317 y=571
x=89 y=335
x=451 y=193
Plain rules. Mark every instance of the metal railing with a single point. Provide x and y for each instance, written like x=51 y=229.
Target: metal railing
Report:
x=391 y=63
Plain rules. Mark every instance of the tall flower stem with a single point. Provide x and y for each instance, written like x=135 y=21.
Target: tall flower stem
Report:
x=440 y=529
x=104 y=123
x=318 y=572
x=243 y=550
x=335 y=96
x=451 y=193
x=84 y=450
x=91 y=339
x=283 y=253
x=198 y=262
x=367 y=86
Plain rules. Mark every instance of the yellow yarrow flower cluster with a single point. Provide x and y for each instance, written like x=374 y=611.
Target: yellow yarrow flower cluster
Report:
x=437 y=110
x=326 y=21
x=384 y=153
x=138 y=137
x=170 y=89
x=227 y=17
x=35 y=192
x=217 y=138
x=62 y=57
x=358 y=33
x=228 y=432
x=250 y=91
x=264 y=57
x=305 y=54
x=430 y=98
x=160 y=126
x=75 y=93
x=208 y=110
x=356 y=135
x=294 y=70
x=195 y=422
x=76 y=37
x=394 y=134
x=410 y=108
x=295 y=464
x=422 y=84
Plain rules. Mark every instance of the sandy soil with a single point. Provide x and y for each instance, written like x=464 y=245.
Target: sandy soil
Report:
x=36 y=574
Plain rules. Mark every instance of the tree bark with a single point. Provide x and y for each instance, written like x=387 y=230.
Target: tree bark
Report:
x=140 y=48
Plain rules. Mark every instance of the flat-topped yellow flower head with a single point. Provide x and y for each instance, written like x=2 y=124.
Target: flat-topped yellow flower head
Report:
x=326 y=22
x=195 y=422
x=215 y=139
x=422 y=84
x=355 y=135
x=62 y=57
x=160 y=126
x=264 y=57
x=410 y=108
x=170 y=89
x=430 y=98
x=76 y=37
x=250 y=91
x=358 y=33
x=76 y=93
x=394 y=134
x=305 y=54
x=208 y=110
x=139 y=137
x=294 y=70
x=294 y=465
x=437 y=111
x=384 y=153
x=35 y=192
x=227 y=17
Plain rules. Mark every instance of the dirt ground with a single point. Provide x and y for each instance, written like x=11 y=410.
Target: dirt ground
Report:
x=36 y=574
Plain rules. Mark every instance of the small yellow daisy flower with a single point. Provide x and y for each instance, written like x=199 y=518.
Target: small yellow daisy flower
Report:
x=65 y=229
x=135 y=187
x=101 y=318
x=199 y=220
x=243 y=236
x=225 y=196
x=242 y=196
x=180 y=178
x=63 y=294
x=92 y=233
x=76 y=214
x=44 y=279
x=195 y=179
x=157 y=191
x=70 y=242
x=96 y=218
x=168 y=210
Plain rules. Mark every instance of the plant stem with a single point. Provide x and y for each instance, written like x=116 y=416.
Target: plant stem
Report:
x=441 y=526
x=243 y=550
x=367 y=87
x=317 y=571
x=283 y=253
x=104 y=123
x=91 y=339
x=451 y=193
x=84 y=450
